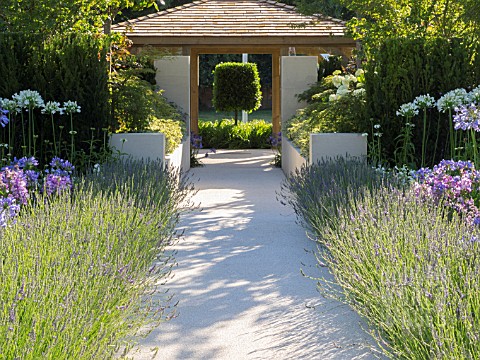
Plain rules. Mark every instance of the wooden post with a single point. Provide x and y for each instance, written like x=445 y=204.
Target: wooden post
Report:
x=276 y=106
x=194 y=91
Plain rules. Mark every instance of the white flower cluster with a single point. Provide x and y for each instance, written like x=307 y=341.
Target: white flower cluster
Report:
x=452 y=99
x=52 y=107
x=424 y=101
x=30 y=99
x=347 y=84
x=408 y=110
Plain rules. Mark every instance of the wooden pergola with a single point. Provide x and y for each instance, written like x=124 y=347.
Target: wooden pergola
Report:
x=235 y=27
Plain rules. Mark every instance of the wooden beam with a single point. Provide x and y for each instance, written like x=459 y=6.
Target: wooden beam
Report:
x=242 y=40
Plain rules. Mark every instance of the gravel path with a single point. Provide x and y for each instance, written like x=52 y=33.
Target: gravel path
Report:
x=238 y=282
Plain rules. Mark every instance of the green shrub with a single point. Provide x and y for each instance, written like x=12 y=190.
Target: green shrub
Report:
x=66 y=67
x=404 y=68
x=225 y=135
x=173 y=130
x=236 y=87
x=323 y=115
x=79 y=273
x=405 y=264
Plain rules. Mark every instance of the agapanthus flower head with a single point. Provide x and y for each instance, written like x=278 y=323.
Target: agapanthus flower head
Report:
x=11 y=105
x=3 y=117
x=56 y=184
x=71 y=107
x=359 y=92
x=467 y=117
x=474 y=95
x=28 y=99
x=61 y=167
x=14 y=183
x=424 y=101
x=24 y=163
x=52 y=107
x=452 y=99
x=408 y=110
x=455 y=183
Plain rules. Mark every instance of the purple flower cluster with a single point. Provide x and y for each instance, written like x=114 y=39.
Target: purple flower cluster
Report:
x=3 y=117
x=275 y=140
x=22 y=176
x=467 y=117
x=454 y=183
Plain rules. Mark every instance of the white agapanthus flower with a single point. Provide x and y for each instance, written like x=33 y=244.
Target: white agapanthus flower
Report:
x=376 y=126
x=408 y=110
x=452 y=99
x=52 y=107
x=28 y=99
x=474 y=95
x=425 y=101
x=11 y=105
x=71 y=107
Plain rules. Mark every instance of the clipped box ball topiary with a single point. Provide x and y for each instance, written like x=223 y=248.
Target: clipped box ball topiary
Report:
x=236 y=87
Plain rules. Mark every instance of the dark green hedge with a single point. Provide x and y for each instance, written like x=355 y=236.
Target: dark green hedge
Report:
x=401 y=69
x=67 y=67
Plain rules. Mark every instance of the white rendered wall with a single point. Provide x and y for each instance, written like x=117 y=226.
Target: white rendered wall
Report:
x=173 y=76
x=333 y=145
x=297 y=74
x=140 y=145
x=291 y=158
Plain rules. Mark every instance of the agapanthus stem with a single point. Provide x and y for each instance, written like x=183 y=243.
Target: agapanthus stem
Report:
x=24 y=138
x=452 y=135
x=424 y=136
x=475 y=149
x=72 y=152
x=54 y=141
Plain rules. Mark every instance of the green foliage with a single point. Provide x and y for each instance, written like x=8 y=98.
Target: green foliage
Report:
x=50 y=17
x=225 y=134
x=328 y=67
x=347 y=114
x=405 y=68
x=401 y=262
x=236 y=87
x=67 y=67
x=79 y=273
x=173 y=130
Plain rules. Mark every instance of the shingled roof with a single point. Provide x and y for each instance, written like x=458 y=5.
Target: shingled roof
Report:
x=244 y=19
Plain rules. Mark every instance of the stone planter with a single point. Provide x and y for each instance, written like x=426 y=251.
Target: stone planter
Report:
x=140 y=145
x=291 y=157
x=333 y=145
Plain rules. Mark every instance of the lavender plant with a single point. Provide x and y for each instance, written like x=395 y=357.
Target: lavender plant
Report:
x=80 y=277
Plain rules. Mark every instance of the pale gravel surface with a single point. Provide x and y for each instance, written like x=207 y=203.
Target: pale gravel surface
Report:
x=238 y=282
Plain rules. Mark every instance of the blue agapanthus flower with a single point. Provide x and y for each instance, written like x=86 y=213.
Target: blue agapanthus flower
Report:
x=3 y=117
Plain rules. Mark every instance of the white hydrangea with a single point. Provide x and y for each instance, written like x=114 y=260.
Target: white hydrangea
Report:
x=359 y=92
x=333 y=97
x=452 y=99
x=408 y=110
x=342 y=90
x=359 y=73
x=425 y=101
x=337 y=81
